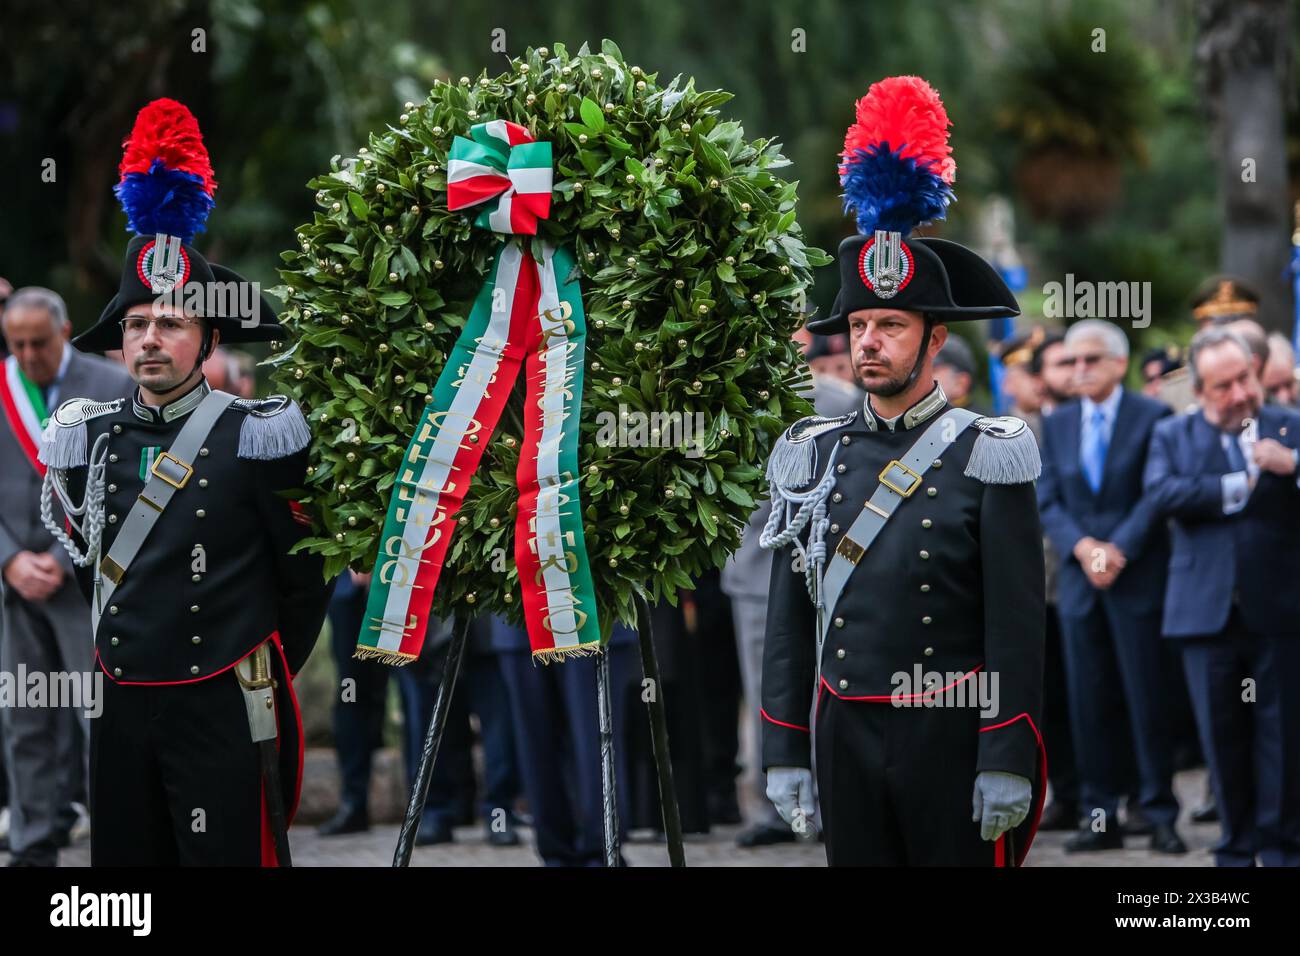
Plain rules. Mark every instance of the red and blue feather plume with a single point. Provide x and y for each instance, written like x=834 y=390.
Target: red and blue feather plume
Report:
x=897 y=169
x=166 y=181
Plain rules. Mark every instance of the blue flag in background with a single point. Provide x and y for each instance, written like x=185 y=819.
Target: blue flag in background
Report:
x=1016 y=277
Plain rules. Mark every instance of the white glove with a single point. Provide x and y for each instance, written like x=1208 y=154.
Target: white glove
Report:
x=791 y=791
x=1001 y=802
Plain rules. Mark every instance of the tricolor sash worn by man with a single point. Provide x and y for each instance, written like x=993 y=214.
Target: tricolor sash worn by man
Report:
x=182 y=534
x=45 y=626
x=24 y=409
x=528 y=315
x=906 y=611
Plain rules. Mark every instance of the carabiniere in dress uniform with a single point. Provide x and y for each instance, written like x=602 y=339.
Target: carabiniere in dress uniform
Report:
x=905 y=635
x=182 y=532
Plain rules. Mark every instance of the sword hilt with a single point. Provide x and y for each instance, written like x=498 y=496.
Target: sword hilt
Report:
x=259 y=669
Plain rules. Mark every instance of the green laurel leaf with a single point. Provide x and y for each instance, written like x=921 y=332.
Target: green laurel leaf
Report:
x=392 y=336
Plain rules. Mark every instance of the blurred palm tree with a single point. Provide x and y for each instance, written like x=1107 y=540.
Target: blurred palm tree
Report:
x=1077 y=105
x=1245 y=51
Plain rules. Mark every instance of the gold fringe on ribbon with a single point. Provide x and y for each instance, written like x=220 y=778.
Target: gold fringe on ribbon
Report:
x=396 y=658
x=548 y=654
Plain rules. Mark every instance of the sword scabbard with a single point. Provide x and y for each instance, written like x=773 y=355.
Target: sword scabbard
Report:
x=255 y=680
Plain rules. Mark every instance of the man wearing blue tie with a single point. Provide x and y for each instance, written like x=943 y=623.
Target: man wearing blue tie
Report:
x=1114 y=549
x=1226 y=475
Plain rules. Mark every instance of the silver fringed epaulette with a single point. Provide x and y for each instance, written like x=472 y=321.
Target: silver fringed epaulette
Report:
x=273 y=427
x=63 y=442
x=793 y=462
x=1005 y=452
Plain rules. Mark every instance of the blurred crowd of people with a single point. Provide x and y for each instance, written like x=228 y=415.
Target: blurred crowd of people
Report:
x=1171 y=517
x=1166 y=597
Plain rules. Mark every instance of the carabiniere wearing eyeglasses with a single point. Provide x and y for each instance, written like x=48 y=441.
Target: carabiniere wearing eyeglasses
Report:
x=182 y=528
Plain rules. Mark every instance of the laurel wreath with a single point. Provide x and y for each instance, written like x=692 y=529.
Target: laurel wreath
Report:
x=692 y=272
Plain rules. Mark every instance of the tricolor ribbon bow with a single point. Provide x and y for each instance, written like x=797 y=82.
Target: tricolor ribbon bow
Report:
x=501 y=164
x=527 y=319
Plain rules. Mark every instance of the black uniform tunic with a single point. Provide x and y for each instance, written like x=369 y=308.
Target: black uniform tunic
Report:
x=951 y=588
x=174 y=772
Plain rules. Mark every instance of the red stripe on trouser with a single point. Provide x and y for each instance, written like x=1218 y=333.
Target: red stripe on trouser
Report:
x=268 y=840
x=269 y=857
x=1022 y=849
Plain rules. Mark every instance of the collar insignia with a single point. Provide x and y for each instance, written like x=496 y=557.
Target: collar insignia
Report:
x=924 y=409
x=174 y=409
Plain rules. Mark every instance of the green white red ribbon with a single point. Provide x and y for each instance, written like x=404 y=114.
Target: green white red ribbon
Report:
x=503 y=166
x=525 y=317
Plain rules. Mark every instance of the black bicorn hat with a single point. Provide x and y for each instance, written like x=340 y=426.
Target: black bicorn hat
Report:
x=165 y=188
x=936 y=276
x=897 y=173
x=220 y=296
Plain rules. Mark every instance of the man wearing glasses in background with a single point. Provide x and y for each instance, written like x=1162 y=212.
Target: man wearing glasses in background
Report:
x=1114 y=552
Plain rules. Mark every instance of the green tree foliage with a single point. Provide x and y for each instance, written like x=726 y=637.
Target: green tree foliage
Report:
x=283 y=85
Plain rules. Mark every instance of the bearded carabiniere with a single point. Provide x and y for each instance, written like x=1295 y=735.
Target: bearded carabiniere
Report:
x=906 y=593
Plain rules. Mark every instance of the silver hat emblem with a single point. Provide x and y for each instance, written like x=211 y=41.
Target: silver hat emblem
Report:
x=165 y=264
x=887 y=263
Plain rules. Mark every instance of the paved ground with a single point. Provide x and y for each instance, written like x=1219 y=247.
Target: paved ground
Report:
x=717 y=849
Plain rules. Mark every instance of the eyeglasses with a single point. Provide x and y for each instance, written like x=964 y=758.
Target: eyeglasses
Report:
x=1088 y=360
x=169 y=326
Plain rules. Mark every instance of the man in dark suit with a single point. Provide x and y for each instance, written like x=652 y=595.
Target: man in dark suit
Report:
x=1110 y=588
x=358 y=718
x=1227 y=476
x=46 y=620
x=558 y=739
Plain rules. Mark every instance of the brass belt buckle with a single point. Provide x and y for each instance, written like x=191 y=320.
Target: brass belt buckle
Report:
x=184 y=466
x=913 y=484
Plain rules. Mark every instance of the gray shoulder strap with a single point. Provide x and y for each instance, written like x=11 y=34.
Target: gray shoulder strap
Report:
x=171 y=471
x=899 y=479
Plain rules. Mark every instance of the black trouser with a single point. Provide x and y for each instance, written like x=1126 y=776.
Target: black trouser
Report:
x=716 y=648
x=558 y=731
x=1244 y=689
x=1114 y=661
x=1057 y=737
x=480 y=690
x=896 y=784
x=175 y=778
x=359 y=706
